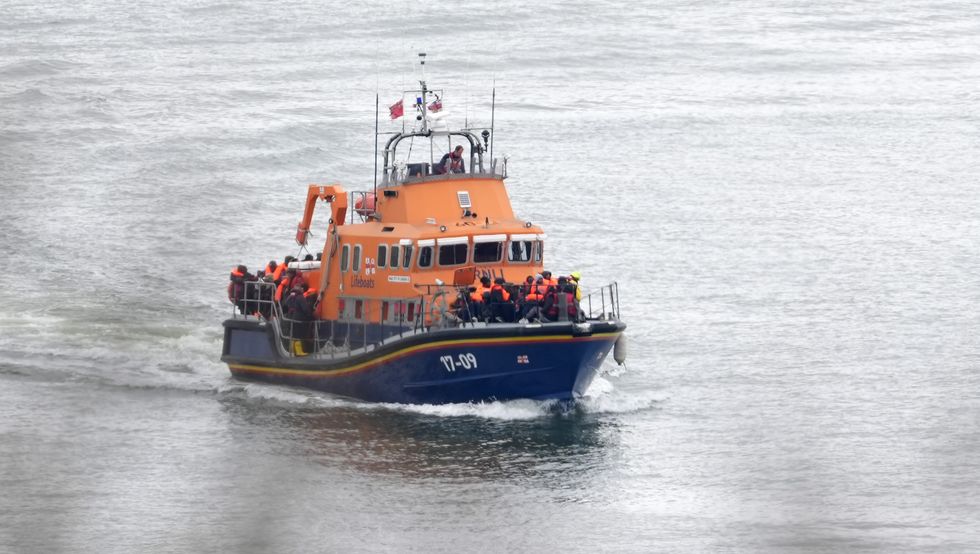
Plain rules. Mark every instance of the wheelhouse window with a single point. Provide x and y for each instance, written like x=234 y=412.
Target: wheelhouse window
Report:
x=488 y=249
x=425 y=256
x=356 y=265
x=407 y=256
x=382 y=255
x=395 y=250
x=345 y=258
x=539 y=251
x=487 y=252
x=520 y=251
x=453 y=251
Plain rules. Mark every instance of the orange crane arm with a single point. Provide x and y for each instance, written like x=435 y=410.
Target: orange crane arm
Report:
x=334 y=194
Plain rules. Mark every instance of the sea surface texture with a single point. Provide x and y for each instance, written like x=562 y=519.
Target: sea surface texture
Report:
x=785 y=191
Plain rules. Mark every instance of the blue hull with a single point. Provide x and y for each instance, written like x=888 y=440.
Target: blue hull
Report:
x=553 y=361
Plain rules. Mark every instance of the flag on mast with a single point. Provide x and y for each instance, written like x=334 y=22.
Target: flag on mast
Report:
x=397 y=109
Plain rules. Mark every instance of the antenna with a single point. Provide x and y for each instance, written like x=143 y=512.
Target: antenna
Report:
x=377 y=100
x=493 y=107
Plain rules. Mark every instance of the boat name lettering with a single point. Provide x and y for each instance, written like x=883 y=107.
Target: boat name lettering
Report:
x=399 y=279
x=356 y=281
x=465 y=361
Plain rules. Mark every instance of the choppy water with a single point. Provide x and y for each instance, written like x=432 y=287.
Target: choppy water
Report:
x=786 y=191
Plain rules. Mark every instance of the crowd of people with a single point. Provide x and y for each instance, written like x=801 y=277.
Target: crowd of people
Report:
x=281 y=284
x=540 y=298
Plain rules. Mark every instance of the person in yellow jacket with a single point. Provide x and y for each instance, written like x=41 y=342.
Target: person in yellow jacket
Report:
x=576 y=275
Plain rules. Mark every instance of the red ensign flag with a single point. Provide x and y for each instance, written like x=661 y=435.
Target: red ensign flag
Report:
x=397 y=109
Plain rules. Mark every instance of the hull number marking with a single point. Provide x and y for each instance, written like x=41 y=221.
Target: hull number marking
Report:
x=464 y=361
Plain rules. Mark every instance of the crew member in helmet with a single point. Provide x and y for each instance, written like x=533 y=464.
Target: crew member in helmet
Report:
x=574 y=279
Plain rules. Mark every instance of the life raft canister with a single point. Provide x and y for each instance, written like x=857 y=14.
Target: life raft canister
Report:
x=365 y=204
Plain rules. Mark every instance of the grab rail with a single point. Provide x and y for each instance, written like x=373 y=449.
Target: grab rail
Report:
x=440 y=307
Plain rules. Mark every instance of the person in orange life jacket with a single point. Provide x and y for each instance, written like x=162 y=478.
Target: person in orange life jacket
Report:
x=281 y=268
x=270 y=267
x=540 y=285
x=527 y=286
x=547 y=279
x=533 y=298
x=237 y=288
x=451 y=162
x=552 y=302
x=478 y=298
x=290 y=279
x=310 y=295
x=501 y=308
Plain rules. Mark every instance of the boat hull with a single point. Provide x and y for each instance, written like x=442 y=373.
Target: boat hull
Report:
x=551 y=361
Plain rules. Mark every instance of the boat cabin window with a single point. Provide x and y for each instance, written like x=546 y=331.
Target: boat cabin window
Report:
x=344 y=258
x=520 y=251
x=487 y=252
x=356 y=265
x=453 y=254
x=407 y=258
x=382 y=255
x=425 y=256
x=394 y=256
x=539 y=251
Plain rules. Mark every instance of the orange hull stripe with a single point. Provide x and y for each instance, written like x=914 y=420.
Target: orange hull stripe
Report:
x=242 y=368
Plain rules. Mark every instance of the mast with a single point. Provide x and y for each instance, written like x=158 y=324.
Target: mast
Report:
x=493 y=108
x=422 y=100
x=377 y=100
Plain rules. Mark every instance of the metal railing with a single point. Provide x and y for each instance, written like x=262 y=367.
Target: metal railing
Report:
x=602 y=303
x=416 y=172
x=380 y=321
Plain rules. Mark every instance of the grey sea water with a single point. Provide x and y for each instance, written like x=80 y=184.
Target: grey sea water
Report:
x=785 y=191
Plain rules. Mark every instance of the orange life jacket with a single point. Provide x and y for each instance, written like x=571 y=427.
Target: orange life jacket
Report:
x=269 y=270
x=284 y=285
x=503 y=292
x=278 y=273
x=477 y=295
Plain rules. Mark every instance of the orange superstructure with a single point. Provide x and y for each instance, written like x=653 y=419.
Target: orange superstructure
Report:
x=423 y=231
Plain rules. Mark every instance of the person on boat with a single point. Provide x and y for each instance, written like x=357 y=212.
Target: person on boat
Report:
x=281 y=268
x=451 y=162
x=237 y=287
x=574 y=278
x=292 y=278
x=560 y=302
x=265 y=296
x=298 y=309
x=533 y=298
x=270 y=267
x=478 y=297
x=548 y=281
x=501 y=308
